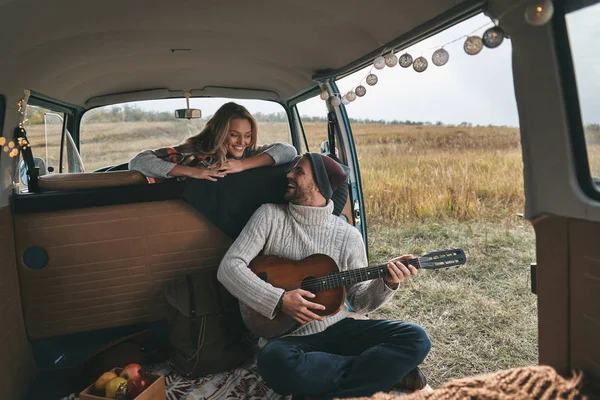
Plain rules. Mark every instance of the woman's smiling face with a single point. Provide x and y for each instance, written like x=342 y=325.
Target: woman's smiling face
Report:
x=239 y=137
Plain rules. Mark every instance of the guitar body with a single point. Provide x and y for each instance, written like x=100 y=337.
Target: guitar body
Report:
x=288 y=274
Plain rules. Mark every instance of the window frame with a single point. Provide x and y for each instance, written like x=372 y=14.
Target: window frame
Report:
x=568 y=82
x=70 y=112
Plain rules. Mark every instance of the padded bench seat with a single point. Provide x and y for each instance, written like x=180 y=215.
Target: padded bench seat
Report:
x=90 y=180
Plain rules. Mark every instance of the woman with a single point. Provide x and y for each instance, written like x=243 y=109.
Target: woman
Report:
x=226 y=145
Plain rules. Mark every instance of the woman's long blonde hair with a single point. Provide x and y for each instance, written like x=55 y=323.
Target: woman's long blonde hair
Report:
x=211 y=140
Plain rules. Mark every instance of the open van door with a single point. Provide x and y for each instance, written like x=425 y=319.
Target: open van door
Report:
x=555 y=75
x=332 y=136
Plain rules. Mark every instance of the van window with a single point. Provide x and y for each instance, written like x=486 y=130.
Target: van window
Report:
x=313 y=116
x=583 y=29
x=44 y=132
x=112 y=135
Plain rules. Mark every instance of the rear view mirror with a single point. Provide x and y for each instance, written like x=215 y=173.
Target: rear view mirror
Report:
x=188 y=112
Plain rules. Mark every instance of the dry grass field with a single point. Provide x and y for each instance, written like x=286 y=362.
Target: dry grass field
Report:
x=425 y=187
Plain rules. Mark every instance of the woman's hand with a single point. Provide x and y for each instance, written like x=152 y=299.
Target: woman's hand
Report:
x=204 y=173
x=232 y=166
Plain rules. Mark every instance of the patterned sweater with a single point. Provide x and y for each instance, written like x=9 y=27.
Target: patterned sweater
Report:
x=295 y=232
x=157 y=163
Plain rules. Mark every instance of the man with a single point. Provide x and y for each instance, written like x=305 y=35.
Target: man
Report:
x=332 y=356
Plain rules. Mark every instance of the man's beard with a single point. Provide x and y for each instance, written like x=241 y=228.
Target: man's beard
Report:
x=298 y=196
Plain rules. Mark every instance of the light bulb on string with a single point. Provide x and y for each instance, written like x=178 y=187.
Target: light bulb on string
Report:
x=360 y=90
x=371 y=79
x=324 y=95
x=405 y=60
x=493 y=37
x=473 y=45
x=2 y=141
x=391 y=60
x=351 y=96
x=420 y=64
x=440 y=57
x=539 y=12
x=379 y=63
x=335 y=101
x=345 y=100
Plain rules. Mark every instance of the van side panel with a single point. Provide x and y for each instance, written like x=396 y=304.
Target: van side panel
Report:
x=17 y=367
x=107 y=265
x=553 y=291
x=585 y=297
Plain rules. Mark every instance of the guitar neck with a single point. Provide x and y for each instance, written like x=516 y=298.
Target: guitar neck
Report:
x=350 y=277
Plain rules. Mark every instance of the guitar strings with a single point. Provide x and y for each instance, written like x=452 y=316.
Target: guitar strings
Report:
x=317 y=283
x=331 y=278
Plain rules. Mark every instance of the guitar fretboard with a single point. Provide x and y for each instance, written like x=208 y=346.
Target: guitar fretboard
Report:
x=350 y=277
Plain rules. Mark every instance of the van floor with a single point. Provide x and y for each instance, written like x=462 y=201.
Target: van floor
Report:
x=68 y=364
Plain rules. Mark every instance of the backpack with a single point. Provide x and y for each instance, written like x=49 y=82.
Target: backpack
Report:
x=205 y=327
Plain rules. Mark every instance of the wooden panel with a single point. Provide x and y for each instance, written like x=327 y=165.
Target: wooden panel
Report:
x=108 y=265
x=17 y=367
x=585 y=296
x=553 y=291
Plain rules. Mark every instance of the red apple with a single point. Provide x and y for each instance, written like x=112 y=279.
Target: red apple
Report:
x=131 y=371
x=136 y=386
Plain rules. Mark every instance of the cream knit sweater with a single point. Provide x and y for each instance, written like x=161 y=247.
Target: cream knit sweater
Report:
x=296 y=232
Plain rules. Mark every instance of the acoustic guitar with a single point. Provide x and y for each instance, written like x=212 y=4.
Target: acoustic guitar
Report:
x=319 y=274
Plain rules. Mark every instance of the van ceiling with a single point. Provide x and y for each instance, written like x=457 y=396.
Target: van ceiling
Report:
x=73 y=50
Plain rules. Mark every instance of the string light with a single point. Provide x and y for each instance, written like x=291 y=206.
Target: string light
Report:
x=22 y=143
x=420 y=64
x=391 y=60
x=372 y=79
x=537 y=13
x=360 y=90
x=379 y=63
x=473 y=45
x=440 y=57
x=493 y=37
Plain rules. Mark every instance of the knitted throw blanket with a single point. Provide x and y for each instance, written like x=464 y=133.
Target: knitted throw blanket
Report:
x=526 y=383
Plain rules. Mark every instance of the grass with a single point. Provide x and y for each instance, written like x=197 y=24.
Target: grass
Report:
x=481 y=317
x=425 y=188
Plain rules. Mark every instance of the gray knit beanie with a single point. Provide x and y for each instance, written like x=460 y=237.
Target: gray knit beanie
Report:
x=328 y=174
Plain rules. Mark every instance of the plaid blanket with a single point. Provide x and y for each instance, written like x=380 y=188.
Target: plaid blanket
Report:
x=243 y=383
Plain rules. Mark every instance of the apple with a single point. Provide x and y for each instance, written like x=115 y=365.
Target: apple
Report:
x=100 y=383
x=131 y=371
x=136 y=386
x=116 y=388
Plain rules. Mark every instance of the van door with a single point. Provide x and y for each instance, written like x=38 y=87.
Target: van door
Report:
x=557 y=82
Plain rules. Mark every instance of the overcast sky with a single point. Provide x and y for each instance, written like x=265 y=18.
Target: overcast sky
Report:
x=476 y=89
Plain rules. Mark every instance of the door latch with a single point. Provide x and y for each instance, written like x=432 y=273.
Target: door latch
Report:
x=356 y=210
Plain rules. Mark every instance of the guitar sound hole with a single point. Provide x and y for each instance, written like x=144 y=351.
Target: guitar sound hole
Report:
x=262 y=275
x=309 y=283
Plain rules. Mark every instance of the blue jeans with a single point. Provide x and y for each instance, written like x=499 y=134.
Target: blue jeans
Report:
x=351 y=358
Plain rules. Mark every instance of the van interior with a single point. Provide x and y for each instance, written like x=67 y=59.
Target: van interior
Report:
x=85 y=251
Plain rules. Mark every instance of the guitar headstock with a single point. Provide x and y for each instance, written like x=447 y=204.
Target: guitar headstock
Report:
x=443 y=259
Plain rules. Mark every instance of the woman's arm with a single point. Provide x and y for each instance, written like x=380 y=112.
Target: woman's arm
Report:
x=281 y=153
x=149 y=164
x=263 y=156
